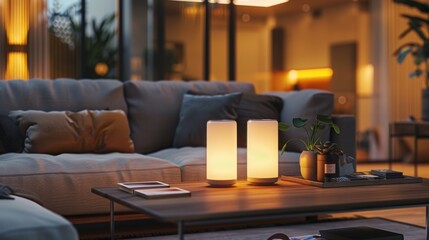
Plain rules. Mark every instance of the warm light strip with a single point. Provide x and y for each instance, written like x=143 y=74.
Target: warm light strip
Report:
x=17 y=21
x=310 y=73
x=16 y=67
x=252 y=3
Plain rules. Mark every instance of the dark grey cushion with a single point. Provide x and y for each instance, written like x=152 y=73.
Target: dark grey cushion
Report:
x=196 y=110
x=255 y=106
x=11 y=139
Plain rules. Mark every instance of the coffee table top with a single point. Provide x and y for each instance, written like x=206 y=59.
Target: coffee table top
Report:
x=282 y=199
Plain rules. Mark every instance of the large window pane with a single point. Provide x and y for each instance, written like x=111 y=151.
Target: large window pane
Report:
x=184 y=26
x=64 y=25
x=100 y=42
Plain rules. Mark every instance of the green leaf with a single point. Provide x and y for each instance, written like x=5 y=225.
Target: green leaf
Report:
x=324 y=119
x=299 y=122
x=415 y=73
x=336 y=128
x=403 y=54
x=283 y=127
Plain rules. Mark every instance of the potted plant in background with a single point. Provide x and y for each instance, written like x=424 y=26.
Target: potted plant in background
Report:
x=307 y=159
x=419 y=51
x=328 y=160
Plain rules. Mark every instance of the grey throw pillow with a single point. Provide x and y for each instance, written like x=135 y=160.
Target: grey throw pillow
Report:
x=196 y=110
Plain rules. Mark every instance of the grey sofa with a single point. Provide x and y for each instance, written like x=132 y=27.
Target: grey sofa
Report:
x=62 y=182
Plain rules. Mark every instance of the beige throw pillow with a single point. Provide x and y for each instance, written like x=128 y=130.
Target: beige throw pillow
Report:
x=56 y=132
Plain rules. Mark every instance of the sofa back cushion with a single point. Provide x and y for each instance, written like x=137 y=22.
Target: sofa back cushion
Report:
x=154 y=108
x=61 y=95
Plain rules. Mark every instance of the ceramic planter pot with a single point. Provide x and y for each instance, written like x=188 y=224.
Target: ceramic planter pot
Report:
x=425 y=104
x=308 y=165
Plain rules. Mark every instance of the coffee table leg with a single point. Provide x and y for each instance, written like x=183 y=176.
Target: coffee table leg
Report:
x=112 y=220
x=180 y=231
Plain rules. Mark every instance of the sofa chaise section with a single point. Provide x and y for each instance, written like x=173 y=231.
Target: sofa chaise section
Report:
x=63 y=182
x=21 y=219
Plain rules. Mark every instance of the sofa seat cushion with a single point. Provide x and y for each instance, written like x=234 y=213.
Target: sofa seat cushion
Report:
x=24 y=219
x=192 y=161
x=58 y=179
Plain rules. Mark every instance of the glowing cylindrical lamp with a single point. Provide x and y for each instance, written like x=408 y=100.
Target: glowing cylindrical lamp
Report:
x=221 y=153
x=262 y=152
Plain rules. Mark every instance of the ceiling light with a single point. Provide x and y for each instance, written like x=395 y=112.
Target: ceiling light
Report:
x=252 y=3
x=259 y=3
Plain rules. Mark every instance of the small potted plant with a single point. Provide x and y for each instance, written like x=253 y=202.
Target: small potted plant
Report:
x=307 y=159
x=328 y=158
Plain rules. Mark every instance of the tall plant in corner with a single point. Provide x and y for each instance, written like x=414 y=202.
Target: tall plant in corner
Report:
x=419 y=50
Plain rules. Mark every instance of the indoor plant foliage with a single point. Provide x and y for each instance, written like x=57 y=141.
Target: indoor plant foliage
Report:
x=311 y=130
x=419 y=51
x=307 y=159
x=328 y=148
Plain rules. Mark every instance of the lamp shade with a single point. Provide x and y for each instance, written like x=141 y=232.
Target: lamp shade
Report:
x=262 y=152
x=221 y=153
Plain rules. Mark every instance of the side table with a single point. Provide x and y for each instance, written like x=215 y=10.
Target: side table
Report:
x=417 y=129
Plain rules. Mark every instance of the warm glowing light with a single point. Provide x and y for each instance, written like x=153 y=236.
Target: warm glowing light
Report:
x=316 y=78
x=221 y=153
x=17 y=21
x=16 y=67
x=252 y=3
x=312 y=73
x=365 y=85
x=292 y=77
x=101 y=69
x=262 y=151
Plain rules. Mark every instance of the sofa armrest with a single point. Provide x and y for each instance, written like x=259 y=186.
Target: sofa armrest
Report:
x=347 y=137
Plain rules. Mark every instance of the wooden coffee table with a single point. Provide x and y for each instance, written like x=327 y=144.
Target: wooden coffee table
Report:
x=247 y=202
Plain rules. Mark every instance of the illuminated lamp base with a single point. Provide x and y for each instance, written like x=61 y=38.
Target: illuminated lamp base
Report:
x=221 y=183
x=262 y=181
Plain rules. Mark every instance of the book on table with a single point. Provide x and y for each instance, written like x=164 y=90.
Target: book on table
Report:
x=162 y=192
x=360 y=233
x=131 y=186
x=387 y=174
